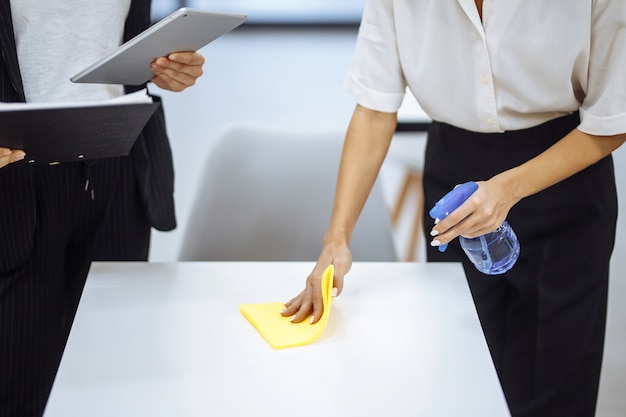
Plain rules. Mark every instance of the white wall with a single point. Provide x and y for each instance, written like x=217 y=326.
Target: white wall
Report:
x=293 y=79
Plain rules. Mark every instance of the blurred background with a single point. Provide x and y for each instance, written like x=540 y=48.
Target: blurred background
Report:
x=284 y=69
x=274 y=11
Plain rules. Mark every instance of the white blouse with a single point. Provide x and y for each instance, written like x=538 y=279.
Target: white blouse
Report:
x=527 y=62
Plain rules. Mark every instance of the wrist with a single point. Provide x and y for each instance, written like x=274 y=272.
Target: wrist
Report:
x=340 y=238
x=512 y=184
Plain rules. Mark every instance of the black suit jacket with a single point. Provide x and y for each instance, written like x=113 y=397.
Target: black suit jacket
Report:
x=151 y=155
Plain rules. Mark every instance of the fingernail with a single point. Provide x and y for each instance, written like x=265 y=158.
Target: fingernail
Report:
x=335 y=291
x=434 y=232
x=312 y=318
x=293 y=318
x=435 y=243
x=283 y=310
x=437 y=220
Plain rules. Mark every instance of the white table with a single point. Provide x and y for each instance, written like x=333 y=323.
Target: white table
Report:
x=167 y=339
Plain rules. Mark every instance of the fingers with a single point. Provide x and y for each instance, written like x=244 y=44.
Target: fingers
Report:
x=8 y=156
x=474 y=225
x=307 y=302
x=310 y=301
x=341 y=269
x=298 y=306
x=482 y=213
x=190 y=59
x=341 y=266
x=318 y=305
x=177 y=71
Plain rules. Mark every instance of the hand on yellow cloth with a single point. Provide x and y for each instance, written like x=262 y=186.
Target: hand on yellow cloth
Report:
x=278 y=330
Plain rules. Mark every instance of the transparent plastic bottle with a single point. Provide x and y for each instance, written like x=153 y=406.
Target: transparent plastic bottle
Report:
x=493 y=253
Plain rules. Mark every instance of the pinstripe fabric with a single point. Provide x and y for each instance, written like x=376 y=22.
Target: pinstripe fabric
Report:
x=126 y=235
x=17 y=205
x=152 y=156
x=38 y=297
x=150 y=176
x=10 y=80
x=48 y=229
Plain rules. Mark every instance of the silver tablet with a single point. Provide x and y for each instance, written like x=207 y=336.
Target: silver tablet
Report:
x=184 y=30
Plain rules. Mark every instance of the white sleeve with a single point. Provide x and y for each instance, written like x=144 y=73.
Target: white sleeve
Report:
x=603 y=111
x=375 y=79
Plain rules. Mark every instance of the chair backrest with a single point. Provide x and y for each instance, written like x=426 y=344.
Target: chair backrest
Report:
x=266 y=195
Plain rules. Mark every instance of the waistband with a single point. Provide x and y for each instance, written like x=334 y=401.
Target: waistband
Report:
x=546 y=133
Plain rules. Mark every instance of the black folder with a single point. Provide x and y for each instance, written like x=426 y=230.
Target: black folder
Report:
x=52 y=135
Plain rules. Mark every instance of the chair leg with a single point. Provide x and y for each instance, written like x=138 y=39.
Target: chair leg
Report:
x=412 y=182
x=416 y=179
x=397 y=210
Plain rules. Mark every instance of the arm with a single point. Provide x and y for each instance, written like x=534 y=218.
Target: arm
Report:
x=603 y=105
x=489 y=205
x=177 y=71
x=365 y=147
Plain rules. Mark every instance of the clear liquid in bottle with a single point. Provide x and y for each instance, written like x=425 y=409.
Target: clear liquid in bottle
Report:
x=493 y=253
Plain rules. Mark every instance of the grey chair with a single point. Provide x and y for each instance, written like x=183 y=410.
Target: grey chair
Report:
x=266 y=195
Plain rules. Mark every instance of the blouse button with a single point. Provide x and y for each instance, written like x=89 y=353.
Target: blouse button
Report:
x=489 y=121
x=485 y=80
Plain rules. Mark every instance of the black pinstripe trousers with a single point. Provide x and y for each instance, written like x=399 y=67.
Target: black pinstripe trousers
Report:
x=125 y=235
x=40 y=291
x=544 y=320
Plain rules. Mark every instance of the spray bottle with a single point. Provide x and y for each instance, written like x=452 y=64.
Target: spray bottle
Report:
x=493 y=253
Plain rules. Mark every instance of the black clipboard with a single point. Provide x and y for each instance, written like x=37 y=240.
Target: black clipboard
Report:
x=54 y=135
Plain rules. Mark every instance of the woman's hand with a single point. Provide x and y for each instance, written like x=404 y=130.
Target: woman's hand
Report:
x=367 y=140
x=483 y=212
x=177 y=71
x=310 y=299
x=8 y=156
x=489 y=206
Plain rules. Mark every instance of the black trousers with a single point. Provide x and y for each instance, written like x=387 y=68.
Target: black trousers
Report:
x=544 y=320
x=125 y=235
x=40 y=293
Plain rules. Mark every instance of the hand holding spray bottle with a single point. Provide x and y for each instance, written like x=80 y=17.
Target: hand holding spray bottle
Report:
x=492 y=253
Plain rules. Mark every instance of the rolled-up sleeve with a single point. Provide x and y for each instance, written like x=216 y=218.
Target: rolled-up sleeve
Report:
x=603 y=111
x=375 y=78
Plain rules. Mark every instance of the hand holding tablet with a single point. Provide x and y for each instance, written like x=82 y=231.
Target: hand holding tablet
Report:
x=177 y=71
x=184 y=30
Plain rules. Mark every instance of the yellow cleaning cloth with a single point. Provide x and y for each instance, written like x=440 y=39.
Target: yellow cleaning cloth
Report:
x=279 y=331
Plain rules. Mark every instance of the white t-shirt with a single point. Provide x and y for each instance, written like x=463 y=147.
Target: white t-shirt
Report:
x=58 y=38
x=527 y=62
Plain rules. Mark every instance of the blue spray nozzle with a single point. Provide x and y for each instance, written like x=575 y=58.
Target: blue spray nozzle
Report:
x=450 y=202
